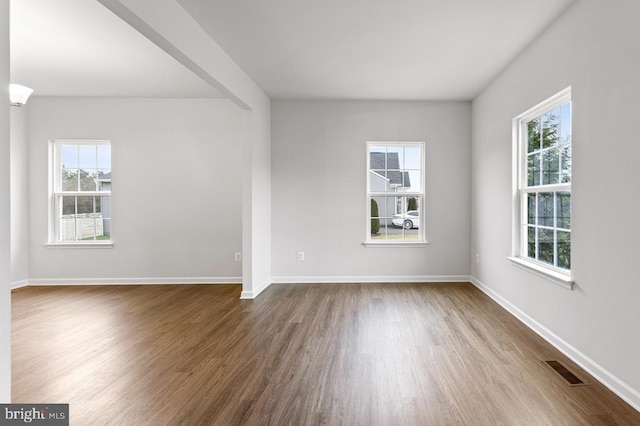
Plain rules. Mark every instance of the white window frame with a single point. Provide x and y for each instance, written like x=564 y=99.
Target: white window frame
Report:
x=54 y=167
x=422 y=240
x=521 y=189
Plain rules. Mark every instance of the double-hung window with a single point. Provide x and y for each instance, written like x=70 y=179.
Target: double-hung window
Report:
x=395 y=193
x=542 y=210
x=80 y=204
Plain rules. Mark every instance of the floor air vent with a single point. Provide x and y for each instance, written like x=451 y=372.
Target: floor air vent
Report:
x=571 y=378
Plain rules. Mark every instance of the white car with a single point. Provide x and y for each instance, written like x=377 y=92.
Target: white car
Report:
x=409 y=220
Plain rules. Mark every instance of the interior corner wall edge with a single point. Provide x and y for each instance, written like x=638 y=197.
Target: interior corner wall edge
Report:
x=319 y=187
x=593 y=48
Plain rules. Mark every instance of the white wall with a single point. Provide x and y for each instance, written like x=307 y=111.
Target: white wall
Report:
x=5 y=212
x=176 y=197
x=19 y=197
x=167 y=23
x=319 y=183
x=594 y=48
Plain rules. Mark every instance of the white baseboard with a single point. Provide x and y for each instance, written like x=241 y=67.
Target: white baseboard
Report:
x=604 y=376
x=254 y=293
x=134 y=281
x=19 y=284
x=354 y=279
x=372 y=279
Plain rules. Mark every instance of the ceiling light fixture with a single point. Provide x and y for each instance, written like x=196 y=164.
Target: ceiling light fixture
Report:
x=18 y=94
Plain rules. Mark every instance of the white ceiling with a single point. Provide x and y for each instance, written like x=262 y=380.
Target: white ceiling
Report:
x=329 y=49
x=80 y=48
x=374 y=49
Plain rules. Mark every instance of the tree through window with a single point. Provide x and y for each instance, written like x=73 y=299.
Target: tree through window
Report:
x=544 y=183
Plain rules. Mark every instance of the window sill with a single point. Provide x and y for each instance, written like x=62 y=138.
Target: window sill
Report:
x=376 y=244
x=555 y=277
x=83 y=245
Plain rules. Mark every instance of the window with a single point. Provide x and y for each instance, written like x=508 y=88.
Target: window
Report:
x=81 y=192
x=542 y=213
x=395 y=193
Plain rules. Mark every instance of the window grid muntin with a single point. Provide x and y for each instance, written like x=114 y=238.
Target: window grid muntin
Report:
x=58 y=195
x=419 y=195
x=404 y=233
x=537 y=113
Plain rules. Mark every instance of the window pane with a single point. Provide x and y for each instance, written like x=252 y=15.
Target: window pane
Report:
x=550 y=166
x=545 y=245
x=563 y=210
x=104 y=156
x=106 y=229
x=533 y=169
x=67 y=230
x=87 y=156
x=413 y=206
x=69 y=156
x=104 y=180
x=82 y=167
x=550 y=128
x=565 y=123
x=564 y=249
x=378 y=157
x=531 y=242
x=68 y=206
x=565 y=164
x=105 y=206
x=412 y=234
x=546 y=154
x=394 y=158
x=87 y=180
x=545 y=209
x=409 y=217
x=396 y=180
x=87 y=228
x=382 y=231
x=533 y=135
x=69 y=180
x=375 y=218
x=412 y=158
x=85 y=205
x=395 y=170
x=412 y=181
x=531 y=209
x=387 y=206
x=398 y=218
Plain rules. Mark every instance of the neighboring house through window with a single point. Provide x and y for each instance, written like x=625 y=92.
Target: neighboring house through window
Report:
x=81 y=192
x=395 y=192
x=542 y=179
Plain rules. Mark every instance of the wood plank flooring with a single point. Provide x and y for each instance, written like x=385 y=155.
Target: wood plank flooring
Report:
x=330 y=354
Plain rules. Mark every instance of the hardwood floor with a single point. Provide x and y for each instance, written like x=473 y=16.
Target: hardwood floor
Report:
x=330 y=354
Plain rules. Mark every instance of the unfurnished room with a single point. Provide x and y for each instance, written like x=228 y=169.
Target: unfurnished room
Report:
x=319 y=213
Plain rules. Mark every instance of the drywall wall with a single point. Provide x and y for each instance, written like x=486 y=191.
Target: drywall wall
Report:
x=319 y=183
x=170 y=26
x=19 y=197
x=176 y=197
x=5 y=212
x=593 y=48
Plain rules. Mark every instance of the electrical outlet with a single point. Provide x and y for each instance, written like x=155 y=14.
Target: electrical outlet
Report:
x=477 y=257
x=237 y=256
x=300 y=255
